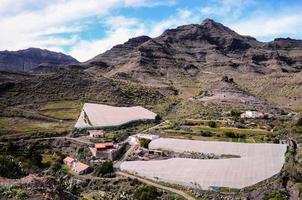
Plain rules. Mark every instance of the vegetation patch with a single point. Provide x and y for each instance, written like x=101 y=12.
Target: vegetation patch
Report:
x=10 y=168
x=23 y=125
x=12 y=192
x=105 y=169
x=147 y=193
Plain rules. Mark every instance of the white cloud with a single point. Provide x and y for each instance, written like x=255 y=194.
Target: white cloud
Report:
x=26 y=23
x=121 y=28
x=264 y=26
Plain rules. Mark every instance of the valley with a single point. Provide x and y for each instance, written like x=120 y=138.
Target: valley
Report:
x=199 y=84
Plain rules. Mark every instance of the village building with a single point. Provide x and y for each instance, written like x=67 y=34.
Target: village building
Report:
x=252 y=115
x=98 y=116
x=80 y=168
x=134 y=139
x=76 y=165
x=96 y=133
x=69 y=161
x=107 y=151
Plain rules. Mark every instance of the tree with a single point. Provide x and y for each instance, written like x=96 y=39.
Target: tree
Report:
x=104 y=169
x=275 y=195
x=36 y=159
x=206 y=133
x=299 y=122
x=212 y=124
x=144 y=142
x=9 y=168
x=235 y=113
x=147 y=193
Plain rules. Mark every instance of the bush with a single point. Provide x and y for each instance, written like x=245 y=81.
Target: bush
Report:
x=299 y=122
x=206 y=133
x=12 y=192
x=104 y=169
x=275 y=195
x=144 y=142
x=235 y=113
x=9 y=168
x=212 y=124
x=231 y=134
x=147 y=193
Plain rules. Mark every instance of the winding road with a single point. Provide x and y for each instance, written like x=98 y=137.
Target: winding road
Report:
x=176 y=191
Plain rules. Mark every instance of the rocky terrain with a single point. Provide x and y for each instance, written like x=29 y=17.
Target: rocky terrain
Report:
x=193 y=48
x=195 y=72
x=229 y=93
x=33 y=59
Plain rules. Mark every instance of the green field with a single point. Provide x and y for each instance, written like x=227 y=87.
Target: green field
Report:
x=23 y=125
x=235 y=130
x=63 y=110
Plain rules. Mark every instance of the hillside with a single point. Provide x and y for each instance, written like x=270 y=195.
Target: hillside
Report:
x=31 y=59
x=193 y=48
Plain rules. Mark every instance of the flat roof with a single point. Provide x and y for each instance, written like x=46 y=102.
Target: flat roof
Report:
x=104 y=116
x=257 y=162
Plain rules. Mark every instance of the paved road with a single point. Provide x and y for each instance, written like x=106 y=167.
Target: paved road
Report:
x=179 y=192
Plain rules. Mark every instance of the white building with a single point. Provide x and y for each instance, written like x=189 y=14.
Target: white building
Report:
x=96 y=133
x=251 y=115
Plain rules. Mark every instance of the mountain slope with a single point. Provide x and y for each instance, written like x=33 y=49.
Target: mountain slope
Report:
x=193 y=48
x=32 y=58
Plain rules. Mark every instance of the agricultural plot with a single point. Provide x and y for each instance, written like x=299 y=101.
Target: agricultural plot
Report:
x=257 y=162
x=63 y=110
x=104 y=116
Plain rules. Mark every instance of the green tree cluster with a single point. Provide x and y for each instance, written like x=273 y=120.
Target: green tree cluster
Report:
x=147 y=193
x=104 y=169
x=10 y=168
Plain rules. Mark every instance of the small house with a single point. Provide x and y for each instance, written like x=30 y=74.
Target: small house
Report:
x=76 y=165
x=80 y=168
x=106 y=150
x=69 y=161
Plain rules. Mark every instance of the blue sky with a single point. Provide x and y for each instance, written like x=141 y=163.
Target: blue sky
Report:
x=85 y=28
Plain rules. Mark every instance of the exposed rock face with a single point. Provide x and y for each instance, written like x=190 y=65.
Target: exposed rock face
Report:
x=192 y=48
x=226 y=92
x=32 y=58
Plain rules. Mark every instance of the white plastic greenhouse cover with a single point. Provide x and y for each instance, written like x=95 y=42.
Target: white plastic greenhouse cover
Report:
x=257 y=162
x=102 y=116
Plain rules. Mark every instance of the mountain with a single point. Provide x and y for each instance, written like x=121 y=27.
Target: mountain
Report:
x=183 y=62
x=32 y=59
x=195 y=48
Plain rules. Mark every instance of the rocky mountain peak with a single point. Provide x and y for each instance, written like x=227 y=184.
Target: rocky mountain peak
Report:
x=194 y=47
x=29 y=59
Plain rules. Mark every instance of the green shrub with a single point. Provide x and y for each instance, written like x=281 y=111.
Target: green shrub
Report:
x=144 y=142
x=9 y=168
x=212 y=124
x=147 y=193
x=275 y=195
x=235 y=113
x=12 y=192
x=104 y=169
x=231 y=134
x=299 y=122
x=206 y=133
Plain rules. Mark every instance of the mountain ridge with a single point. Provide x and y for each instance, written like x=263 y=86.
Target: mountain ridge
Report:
x=26 y=60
